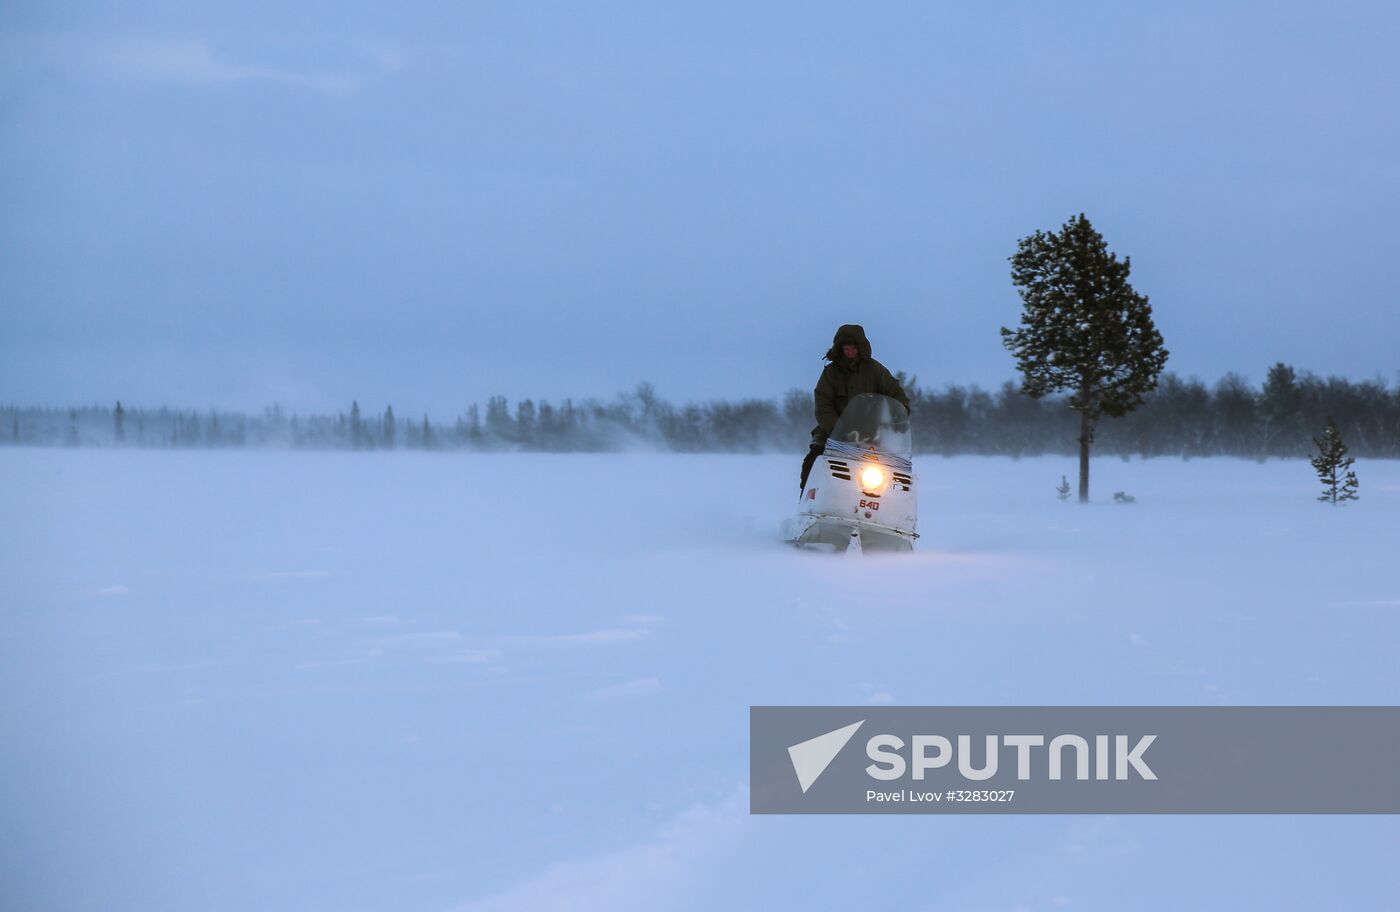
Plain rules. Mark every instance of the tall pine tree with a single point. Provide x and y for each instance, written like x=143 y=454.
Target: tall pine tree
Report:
x=1083 y=328
x=357 y=426
x=1281 y=413
x=390 y=426
x=1333 y=467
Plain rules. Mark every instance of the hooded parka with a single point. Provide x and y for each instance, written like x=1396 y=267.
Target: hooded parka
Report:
x=842 y=380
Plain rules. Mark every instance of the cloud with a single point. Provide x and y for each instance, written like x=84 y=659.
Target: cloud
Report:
x=653 y=876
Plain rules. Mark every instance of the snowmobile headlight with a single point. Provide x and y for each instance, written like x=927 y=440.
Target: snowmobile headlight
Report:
x=871 y=478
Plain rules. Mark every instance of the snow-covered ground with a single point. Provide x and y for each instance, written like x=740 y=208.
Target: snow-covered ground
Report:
x=272 y=680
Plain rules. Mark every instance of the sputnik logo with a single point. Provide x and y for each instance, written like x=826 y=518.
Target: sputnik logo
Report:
x=810 y=758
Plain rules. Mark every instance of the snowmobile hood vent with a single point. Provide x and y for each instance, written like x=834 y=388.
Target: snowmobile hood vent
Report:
x=855 y=452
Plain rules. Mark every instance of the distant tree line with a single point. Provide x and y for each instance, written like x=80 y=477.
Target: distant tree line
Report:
x=1181 y=417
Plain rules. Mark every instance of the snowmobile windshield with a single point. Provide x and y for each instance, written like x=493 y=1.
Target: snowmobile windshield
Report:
x=874 y=425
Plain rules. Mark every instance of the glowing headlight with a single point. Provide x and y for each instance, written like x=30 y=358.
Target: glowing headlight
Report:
x=871 y=478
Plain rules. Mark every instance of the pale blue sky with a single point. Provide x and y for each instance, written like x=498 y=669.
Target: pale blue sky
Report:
x=208 y=204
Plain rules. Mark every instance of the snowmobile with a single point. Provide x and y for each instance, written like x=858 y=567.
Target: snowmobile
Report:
x=862 y=488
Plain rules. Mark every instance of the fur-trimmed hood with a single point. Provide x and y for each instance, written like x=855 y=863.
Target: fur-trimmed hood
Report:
x=849 y=334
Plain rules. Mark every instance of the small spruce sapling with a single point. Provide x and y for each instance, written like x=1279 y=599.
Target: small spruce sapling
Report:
x=1062 y=488
x=1333 y=466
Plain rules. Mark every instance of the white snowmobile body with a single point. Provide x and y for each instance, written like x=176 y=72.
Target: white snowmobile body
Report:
x=863 y=487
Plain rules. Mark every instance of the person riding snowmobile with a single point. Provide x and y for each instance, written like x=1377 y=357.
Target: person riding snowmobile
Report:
x=849 y=372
